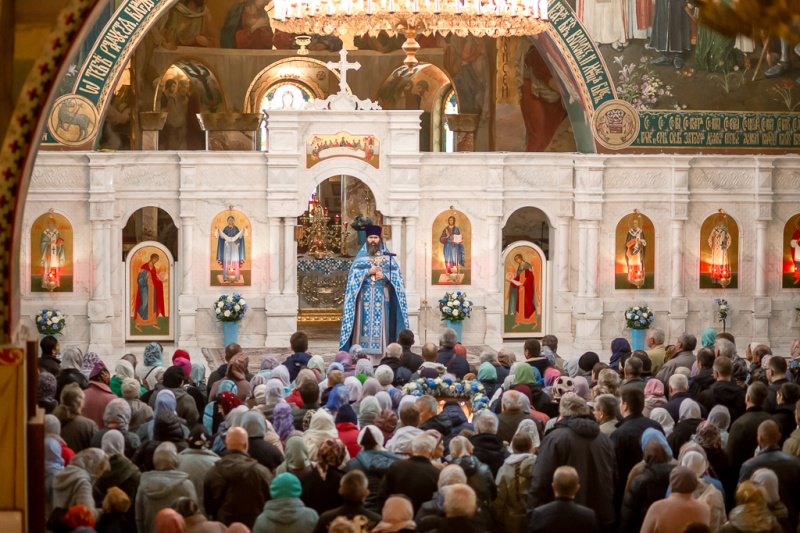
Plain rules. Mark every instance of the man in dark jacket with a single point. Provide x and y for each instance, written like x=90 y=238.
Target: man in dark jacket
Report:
x=309 y=393
x=743 y=435
x=218 y=374
x=627 y=438
x=49 y=360
x=236 y=488
x=487 y=446
x=458 y=420
x=415 y=477
x=724 y=391
x=776 y=374
x=705 y=374
x=534 y=357
x=460 y=505
x=402 y=375
x=410 y=360
x=684 y=357
x=576 y=441
x=353 y=488
x=785 y=466
x=299 y=359
x=633 y=375
x=455 y=364
x=511 y=416
x=788 y=397
x=563 y=514
x=429 y=419
x=679 y=391
x=186 y=406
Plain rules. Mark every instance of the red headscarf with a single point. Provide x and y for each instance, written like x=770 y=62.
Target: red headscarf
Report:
x=78 y=516
x=169 y=521
x=229 y=401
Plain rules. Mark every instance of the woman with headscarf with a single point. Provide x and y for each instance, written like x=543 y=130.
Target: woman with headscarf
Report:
x=384 y=400
x=752 y=513
x=397 y=516
x=317 y=365
x=169 y=521
x=121 y=473
x=268 y=364
x=117 y=416
x=259 y=449
x=647 y=487
x=47 y=392
x=198 y=378
x=282 y=373
x=385 y=376
x=706 y=491
x=165 y=401
x=680 y=509
x=354 y=388
x=364 y=370
x=653 y=396
x=662 y=416
x=53 y=464
x=140 y=411
x=258 y=379
x=387 y=421
x=514 y=480
x=52 y=429
x=304 y=376
x=690 y=418
x=373 y=461
x=708 y=438
x=321 y=485
x=283 y=422
x=708 y=337
x=74 y=484
x=321 y=428
x=720 y=416
x=343 y=358
x=71 y=363
x=78 y=519
x=371 y=387
x=768 y=481
x=347 y=428
x=153 y=353
x=76 y=430
x=197 y=459
x=160 y=487
x=649 y=435
x=479 y=477
x=236 y=372
x=620 y=347
x=89 y=360
x=123 y=370
x=582 y=388
x=167 y=427
x=487 y=375
x=326 y=383
x=233 y=419
x=296 y=459
x=368 y=411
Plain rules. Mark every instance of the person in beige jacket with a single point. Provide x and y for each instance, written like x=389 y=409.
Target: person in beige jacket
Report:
x=673 y=514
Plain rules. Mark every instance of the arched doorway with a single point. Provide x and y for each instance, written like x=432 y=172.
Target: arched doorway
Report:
x=327 y=235
x=150 y=223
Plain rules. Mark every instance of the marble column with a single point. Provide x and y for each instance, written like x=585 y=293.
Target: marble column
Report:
x=396 y=242
x=187 y=301
x=289 y=258
x=592 y=230
x=410 y=272
x=582 y=259
x=274 y=259
x=679 y=214
x=562 y=265
x=494 y=292
x=677 y=258
x=101 y=214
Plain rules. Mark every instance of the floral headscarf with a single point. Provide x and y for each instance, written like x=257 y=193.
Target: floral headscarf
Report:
x=153 y=354
x=356 y=353
x=562 y=386
x=228 y=401
x=330 y=455
x=720 y=416
x=72 y=358
x=387 y=422
x=283 y=420
x=270 y=362
x=47 y=385
x=707 y=435
x=258 y=379
x=89 y=361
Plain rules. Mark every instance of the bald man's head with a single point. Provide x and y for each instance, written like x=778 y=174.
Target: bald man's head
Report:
x=236 y=439
x=565 y=482
x=769 y=434
x=460 y=500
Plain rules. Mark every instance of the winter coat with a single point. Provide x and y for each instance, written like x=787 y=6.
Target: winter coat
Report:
x=410 y=360
x=751 y=518
x=459 y=524
x=197 y=463
x=124 y=475
x=265 y=453
x=322 y=494
x=792 y=444
x=563 y=514
x=73 y=486
x=97 y=397
x=490 y=450
x=186 y=406
x=287 y=515
x=356 y=512
x=374 y=464
x=673 y=514
x=78 y=432
x=440 y=423
x=743 y=436
x=577 y=442
x=140 y=413
x=348 y=434
x=772 y=394
x=682 y=433
x=458 y=421
x=67 y=376
x=235 y=489
x=157 y=490
x=645 y=489
x=628 y=446
x=294 y=363
x=701 y=382
x=415 y=477
x=633 y=383
x=481 y=479
x=724 y=393
x=502 y=373
x=784 y=416
x=458 y=366
x=673 y=406
x=400 y=443
x=508 y=423
x=682 y=359
x=787 y=468
x=132 y=441
x=513 y=483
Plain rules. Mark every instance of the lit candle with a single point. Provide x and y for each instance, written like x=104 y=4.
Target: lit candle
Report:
x=437 y=8
x=458 y=7
x=477 y=7
x=369 y=7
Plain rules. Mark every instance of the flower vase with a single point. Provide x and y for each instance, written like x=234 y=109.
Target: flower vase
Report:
x=230 y=332
x=457 y=326
x=362 y=236
x=637 y=338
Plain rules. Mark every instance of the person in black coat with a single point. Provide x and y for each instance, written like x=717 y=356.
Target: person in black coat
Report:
x=705 y=375
x=627 y=437
x=459 y=511
x=743 y=435
x=262 y=451
x=788 y=396
x=373 y=462
x=647 y=488
x=776 y=374
x=49 y=360
x=429 y=419
x=353 y=489
x=563 y=513
x=785 y=466
x=679 y=391
x=454 y=363
x=415 y=477
x=724 y=391
x=410 y=360
x=487 y=446
x=576 y=441
x=299 y=359
x=686 y=426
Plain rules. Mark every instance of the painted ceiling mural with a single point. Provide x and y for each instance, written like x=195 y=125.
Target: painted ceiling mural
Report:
x=608 y=75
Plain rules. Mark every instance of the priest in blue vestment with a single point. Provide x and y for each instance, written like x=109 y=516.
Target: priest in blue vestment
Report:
x=375 y=301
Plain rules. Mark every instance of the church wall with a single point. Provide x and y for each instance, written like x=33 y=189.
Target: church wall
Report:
x=583 y=197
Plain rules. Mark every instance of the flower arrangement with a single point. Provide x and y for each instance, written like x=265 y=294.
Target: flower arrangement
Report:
x=361 y=222
x=639 y=85
x=230 y=308
x=455 y=307
x=50 y=321
x=473 y=391
x=722 y=310
x=639 y=317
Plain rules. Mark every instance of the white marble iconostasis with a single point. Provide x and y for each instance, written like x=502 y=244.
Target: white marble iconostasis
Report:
x=582 y=197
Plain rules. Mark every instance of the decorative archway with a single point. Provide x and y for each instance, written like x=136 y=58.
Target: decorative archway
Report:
x=312 y=74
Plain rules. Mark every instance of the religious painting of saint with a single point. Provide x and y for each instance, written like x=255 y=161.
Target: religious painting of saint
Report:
x=525 y=272
x=791 y=253
x=719 y=252
x=635 y=252
x=51 y=253
x=149 y=293
x=452 y=246
x=230 y=249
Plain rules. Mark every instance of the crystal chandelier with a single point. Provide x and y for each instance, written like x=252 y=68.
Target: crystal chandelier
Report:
x=492 y=18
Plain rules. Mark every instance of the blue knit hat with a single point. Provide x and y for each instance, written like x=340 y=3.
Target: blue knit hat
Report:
x=285 y=485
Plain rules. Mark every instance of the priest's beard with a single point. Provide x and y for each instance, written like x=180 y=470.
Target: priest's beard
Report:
x=373 y=249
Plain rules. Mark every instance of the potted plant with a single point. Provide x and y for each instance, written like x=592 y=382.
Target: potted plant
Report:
x=360 y=224
x=722 y=310
x=638 y=319
x=50 y=322
x=455 y=308
x=230 y=309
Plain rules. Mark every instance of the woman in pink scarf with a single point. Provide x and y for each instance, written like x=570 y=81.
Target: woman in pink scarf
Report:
x=653 y=396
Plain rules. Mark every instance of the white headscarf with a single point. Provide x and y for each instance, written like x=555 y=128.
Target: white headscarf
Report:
x=353 y=387
x=529 y=427
x=695 y=462
x=113 y=443
x=124 y=370
x=689 y=409
x=274 y=392
x=384 y=400
x=72 y=358
x=321 y=428
x=662 y=416
x=385 y=376
x=377 y=434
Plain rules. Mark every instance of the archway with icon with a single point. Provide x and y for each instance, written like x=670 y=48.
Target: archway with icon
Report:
x=719 y=252
x=634 y=265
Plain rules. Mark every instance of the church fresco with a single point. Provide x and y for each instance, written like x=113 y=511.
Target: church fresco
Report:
x=149 y=293
x=791 y=253
x=634 y=263
x=51 y=253
x=451 y=260
x=719 y=252
x=230 y=249
x=525 y=299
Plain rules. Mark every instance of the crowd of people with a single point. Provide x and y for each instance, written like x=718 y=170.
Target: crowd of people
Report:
x=688 y=437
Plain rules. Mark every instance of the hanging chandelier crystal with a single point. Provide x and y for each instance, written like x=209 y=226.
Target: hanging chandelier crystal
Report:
x=493 y=18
